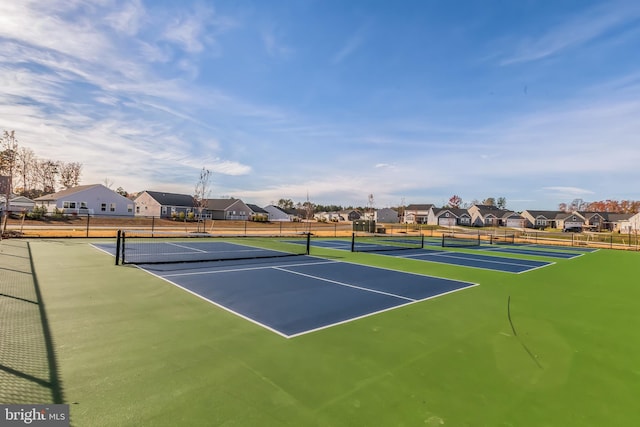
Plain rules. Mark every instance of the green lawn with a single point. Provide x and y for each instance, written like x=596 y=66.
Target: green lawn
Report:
x=131 y=349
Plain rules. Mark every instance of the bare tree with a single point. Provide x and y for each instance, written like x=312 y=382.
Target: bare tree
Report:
x=47 y=175
x=8 y=155
x=108 y=183
x=70 y=174
x=202 y=190
x=285 y=204
x=25 y=170
x=455 y=201
x=501 y=203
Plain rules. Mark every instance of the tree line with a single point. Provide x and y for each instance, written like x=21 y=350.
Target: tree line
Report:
x=313 y=207
x=32 y=176
x=611 y=206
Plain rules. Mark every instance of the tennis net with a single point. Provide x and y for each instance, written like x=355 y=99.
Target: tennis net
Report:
x=505 y=239
x=372 y=242
x=460 y=240
x=147 y=247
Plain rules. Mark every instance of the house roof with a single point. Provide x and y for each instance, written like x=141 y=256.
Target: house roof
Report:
x=256 y=208
x=485 y=210
x=511 y=214
x=66 y=192
x=455 y=211
x=295 y=212
x=545 y=214
x=565 y=215
x=171 y=199
x=221 y=204
x=615 y=217
x=276 y=208
x=608 y=216
x=423 y=207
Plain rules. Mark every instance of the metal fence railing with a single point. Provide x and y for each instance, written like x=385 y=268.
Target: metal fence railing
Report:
x=62 y=226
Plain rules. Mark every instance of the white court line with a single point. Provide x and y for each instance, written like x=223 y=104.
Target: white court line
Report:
x=448 y=255
x=202 y=297
x=262 y=267
x=480 y=268
x=344 y=284
x=342 y=322
x=186 y=247
x=255 y=322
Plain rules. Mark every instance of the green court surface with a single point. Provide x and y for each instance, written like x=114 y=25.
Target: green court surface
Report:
x=558 y=346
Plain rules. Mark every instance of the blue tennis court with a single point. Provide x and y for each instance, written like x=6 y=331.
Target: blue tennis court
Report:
x=296 y=295
x=521 y=250
x=473 y=260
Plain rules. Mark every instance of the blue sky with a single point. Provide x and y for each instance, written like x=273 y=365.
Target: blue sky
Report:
x=414 y=101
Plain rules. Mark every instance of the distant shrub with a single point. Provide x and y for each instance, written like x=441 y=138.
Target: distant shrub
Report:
x=37 y=213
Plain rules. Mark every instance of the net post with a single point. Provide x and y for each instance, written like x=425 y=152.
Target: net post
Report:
x=443 y=240
x=118 y=247
x=421 y=241
x=122 y=245
x=308 y=244
x=353 y=242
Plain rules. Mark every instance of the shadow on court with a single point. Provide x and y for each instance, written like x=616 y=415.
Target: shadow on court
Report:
x=28 y=367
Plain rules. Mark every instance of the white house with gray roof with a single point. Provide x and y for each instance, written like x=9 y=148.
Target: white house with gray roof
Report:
x=93 y=199
x=162 y=204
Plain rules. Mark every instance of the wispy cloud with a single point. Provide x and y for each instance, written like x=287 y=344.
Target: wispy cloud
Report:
x=351 y=45
x=576 y=31
x=567 y=192
x=273 y=44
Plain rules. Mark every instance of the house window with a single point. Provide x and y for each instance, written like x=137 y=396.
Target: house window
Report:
x=103 y=207
x=137 y=209
x=83 y=205
x=69 y=205
x=129 y=208
x=164 y=210
x=112 y=207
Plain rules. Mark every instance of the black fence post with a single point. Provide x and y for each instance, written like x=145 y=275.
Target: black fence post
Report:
x=88 y=217
x=118 y=247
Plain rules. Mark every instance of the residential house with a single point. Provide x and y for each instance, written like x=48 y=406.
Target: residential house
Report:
x=95 y=199
x=257 y=213
x=227 y=209
x=513 y=220
x=298 y=214
x=417 y=214
x=566 y=221
x=327 y=216
x=387 y=216
x=540 y=219
x=276 y=214
x=623 y=223
x=449 y=217
x=487 y=215
x=349 y=215
x=595 y=221
x=162 y=204
x=570 y=221
x=17 y=204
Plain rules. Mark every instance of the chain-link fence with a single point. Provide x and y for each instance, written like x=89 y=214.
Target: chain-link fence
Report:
x=103 y=226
